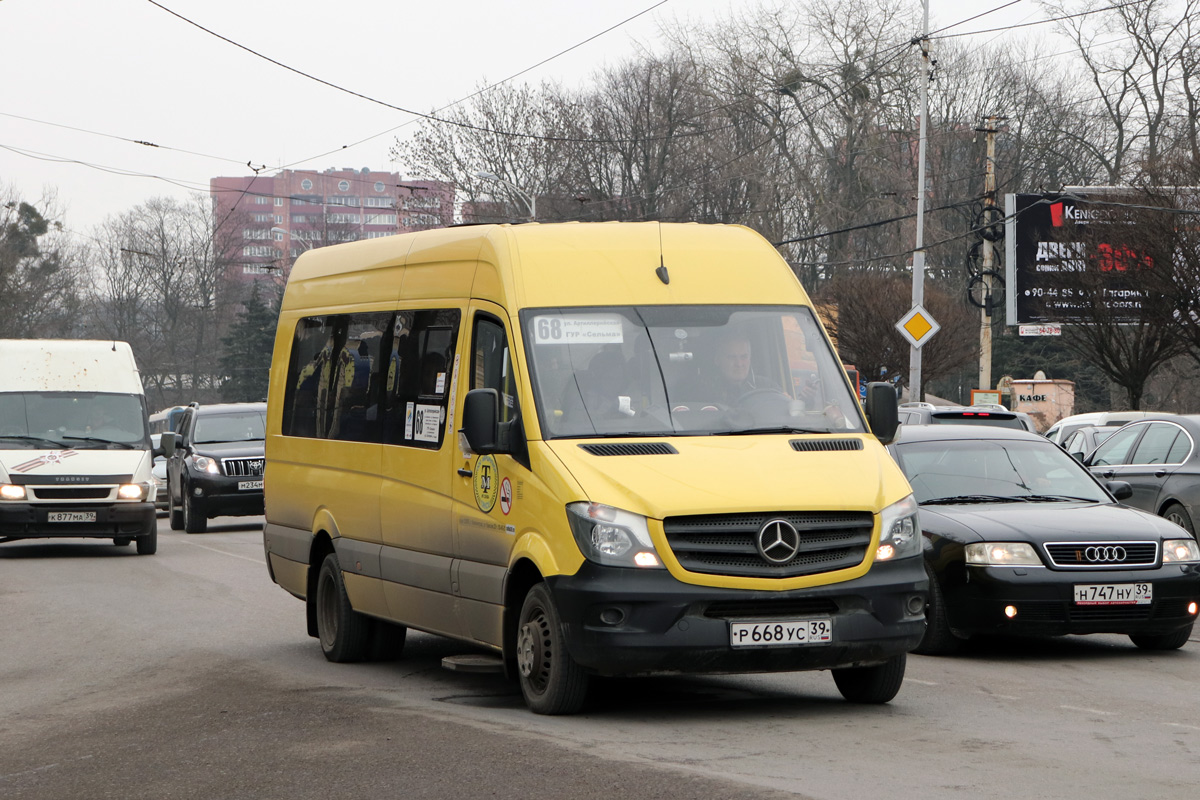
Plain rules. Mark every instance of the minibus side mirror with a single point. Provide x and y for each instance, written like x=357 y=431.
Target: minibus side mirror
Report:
x=882 y=413
x=166 y=445
x=481 y=420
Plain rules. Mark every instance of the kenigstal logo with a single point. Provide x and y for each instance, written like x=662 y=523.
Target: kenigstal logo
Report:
x=53 y=457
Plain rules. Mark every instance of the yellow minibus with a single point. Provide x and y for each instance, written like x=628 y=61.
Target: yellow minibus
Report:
x=592 y=449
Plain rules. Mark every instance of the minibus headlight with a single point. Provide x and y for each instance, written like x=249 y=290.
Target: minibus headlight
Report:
x=133 y=491
x=205 y=464
x=11 y=492
x=1002 y=554
x=1180 y=551
x=901 y=531
x=612 y=537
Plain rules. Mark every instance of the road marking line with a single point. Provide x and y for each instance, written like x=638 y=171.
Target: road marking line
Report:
x=1181 y=725
x=258 y=561
x=922 y=683
x=1088 y=710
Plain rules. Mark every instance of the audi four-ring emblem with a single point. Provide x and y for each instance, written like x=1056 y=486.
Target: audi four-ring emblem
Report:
x=778 y=541
x=1108 y=553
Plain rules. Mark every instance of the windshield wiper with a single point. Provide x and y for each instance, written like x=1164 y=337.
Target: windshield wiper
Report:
x=964 y=499
x=126 y=445
x=1057 y=498
x=768 y=429
x=26 y=438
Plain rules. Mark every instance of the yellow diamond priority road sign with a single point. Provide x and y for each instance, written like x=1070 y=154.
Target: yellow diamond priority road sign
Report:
x=917 y=326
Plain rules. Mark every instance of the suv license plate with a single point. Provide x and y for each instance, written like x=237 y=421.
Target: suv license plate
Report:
x=249 y=485
x=1114 y=594
x=780 y=633
x=70 y=516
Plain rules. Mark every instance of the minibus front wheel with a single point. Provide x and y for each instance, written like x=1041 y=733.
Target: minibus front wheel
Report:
x=877 y=684
x=551 y=681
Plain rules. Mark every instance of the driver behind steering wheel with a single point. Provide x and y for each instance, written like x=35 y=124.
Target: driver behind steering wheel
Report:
x=734 y=376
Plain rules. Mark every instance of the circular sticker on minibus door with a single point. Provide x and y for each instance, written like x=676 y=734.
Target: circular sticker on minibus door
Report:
x=486 y=479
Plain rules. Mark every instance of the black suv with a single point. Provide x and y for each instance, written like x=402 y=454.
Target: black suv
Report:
x=215 y=464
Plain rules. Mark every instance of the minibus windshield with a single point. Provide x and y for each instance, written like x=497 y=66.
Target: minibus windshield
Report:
x=698 y=370
x=76 y=420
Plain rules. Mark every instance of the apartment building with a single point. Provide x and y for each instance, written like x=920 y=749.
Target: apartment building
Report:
x=276 y=218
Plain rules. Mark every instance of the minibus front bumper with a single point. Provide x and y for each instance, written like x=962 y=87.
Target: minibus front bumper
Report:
x=620 y=621
x=86 y=520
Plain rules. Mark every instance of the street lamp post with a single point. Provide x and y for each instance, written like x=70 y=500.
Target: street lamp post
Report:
x=530 y=199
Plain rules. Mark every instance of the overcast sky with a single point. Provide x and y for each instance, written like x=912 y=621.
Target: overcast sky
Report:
x=118 y=70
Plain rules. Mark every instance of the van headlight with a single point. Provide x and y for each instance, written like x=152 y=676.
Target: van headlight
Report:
x=901 y=536
x=612 y=537
x=133 y=491
x=11 y=491
x=205 y=464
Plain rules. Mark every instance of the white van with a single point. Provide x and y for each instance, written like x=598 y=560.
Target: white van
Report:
x=75 y=452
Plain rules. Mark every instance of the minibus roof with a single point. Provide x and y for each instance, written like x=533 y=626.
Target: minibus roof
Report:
x=553 y=264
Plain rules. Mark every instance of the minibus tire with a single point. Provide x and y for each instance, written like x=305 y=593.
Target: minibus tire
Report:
x=551 y=681
x=193 y=522
x=344 y=634
x=877 y=684
x=147 y=544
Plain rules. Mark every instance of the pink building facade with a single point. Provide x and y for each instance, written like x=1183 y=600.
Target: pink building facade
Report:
x=267 y=222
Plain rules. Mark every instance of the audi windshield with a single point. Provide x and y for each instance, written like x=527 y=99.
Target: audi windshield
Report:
x=702 y=370
x=961 y=471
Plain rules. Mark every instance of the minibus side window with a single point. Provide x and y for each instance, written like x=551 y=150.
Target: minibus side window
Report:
x=491 y=365
x=308 y=377
x=357 y=377
x=419 y=374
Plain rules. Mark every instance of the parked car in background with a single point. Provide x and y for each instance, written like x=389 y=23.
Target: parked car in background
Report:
x=929 y=414
x=1019 y=538
x=1060 y=431
x=1086 y=439
x=158 y=473
x=1158 y=457
x=215 y=464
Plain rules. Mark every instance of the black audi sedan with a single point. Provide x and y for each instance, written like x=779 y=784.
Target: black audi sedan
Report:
x=1159 y=458
x=215 y=464
x=1020 y=538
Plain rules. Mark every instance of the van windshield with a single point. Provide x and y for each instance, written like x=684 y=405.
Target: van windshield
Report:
x=77 y=420
x=702 y=370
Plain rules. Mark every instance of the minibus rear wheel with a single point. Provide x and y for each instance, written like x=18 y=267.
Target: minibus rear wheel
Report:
x=550 y=679
x=344 y=633
x=877 y=684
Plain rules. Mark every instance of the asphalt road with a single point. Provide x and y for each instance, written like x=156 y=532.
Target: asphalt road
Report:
x=188 y=674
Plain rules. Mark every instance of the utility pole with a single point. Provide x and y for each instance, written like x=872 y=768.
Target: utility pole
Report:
x=918 y=287
x=991 y=229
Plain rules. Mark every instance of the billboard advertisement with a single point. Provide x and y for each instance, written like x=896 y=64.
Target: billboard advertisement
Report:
x=1049 y=237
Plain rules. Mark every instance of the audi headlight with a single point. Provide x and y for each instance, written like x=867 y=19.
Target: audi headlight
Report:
x=1180 y=551
x=133 y=491
x=205 y=464
x=612 y=537
x=9 y=491
x=901 y=536
x=1003 y=554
